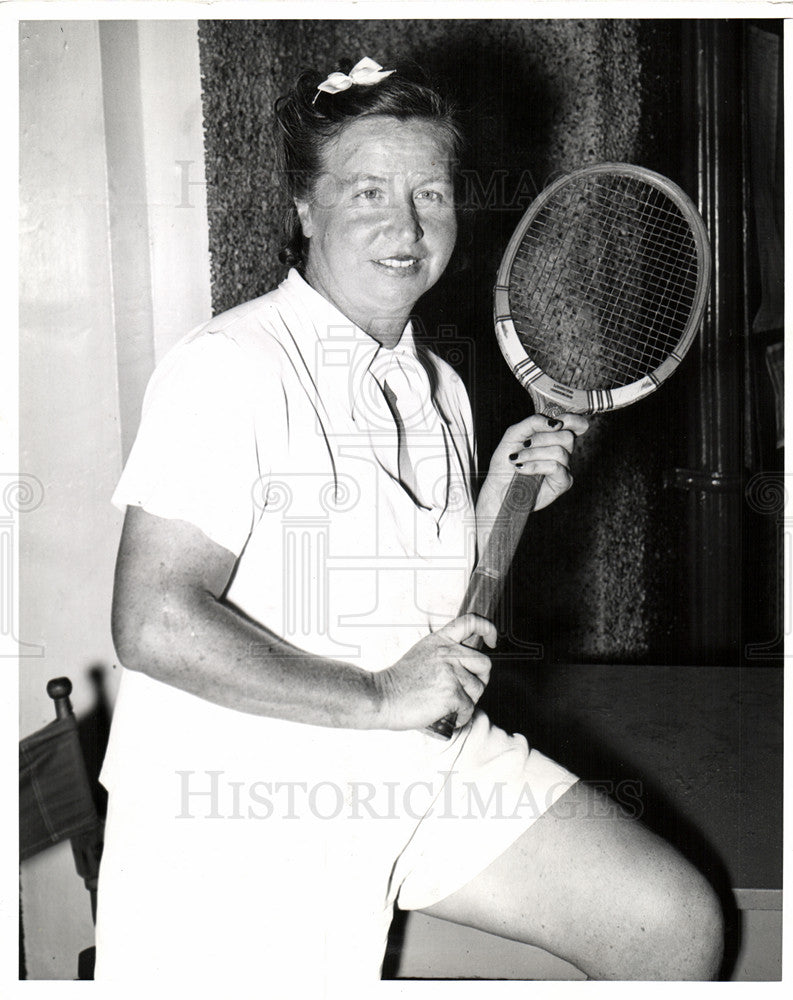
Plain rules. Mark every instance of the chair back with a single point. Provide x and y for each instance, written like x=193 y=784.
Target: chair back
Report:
x=56 y=801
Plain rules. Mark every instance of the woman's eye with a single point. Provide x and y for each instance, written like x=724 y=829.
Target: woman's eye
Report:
x=370 y=194
x=429 y=195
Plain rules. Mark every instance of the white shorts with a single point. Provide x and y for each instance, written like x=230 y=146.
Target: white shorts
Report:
x=292 y=884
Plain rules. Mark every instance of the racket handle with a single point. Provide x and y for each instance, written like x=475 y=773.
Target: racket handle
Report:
x=487 y=580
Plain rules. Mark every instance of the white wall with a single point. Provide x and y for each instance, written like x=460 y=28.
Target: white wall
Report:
x=112 y=271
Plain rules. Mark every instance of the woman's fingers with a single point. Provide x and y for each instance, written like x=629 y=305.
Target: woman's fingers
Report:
x=576 y=423
x=466 y=627
x=548 y=455
x=471 y=684
x=541 y=446
x=539 y=439
x=470 y=667
x=439 y=676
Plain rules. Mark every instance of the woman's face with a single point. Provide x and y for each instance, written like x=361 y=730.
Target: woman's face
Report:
x=381 y=221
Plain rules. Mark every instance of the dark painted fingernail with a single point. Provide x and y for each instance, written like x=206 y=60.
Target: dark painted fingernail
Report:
x=513 y=456
x=527 y=443
x=554 y=423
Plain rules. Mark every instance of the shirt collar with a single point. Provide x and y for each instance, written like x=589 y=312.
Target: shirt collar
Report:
x=341 y=359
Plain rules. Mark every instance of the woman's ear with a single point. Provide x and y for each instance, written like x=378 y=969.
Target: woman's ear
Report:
x=303 y=209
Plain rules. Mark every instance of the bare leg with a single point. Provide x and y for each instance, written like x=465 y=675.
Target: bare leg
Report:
x=599 y=890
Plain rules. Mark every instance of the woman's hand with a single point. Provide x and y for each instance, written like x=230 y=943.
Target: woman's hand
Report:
x=536 y=446
x=436 y=677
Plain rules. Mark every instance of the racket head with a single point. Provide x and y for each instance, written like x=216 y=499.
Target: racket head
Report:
x=602 y=288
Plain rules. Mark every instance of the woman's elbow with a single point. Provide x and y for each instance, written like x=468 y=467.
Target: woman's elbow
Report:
x=151 y=627
x=134 y=633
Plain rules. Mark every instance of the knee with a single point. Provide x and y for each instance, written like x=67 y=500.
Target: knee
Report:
x=708 y=917
x=694 y=929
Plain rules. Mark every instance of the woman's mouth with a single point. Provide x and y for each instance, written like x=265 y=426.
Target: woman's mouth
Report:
x=399 y=264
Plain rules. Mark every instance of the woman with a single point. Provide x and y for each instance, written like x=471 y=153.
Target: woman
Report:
x=299 y=531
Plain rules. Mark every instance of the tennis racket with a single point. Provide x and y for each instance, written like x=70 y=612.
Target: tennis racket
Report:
x=599 y=295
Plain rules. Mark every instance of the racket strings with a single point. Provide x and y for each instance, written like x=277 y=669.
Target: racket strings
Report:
x=650 y=265
x=656 y=268
x=630 y=300
x=606 y=222
x=603 y=282
x=606 y=340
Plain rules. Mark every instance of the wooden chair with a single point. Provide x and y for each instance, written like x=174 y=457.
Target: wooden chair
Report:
x=56 y=801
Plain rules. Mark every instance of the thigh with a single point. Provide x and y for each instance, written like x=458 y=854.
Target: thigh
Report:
x=598 y=889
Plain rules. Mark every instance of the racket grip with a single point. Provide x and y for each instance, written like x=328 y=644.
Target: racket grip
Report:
x=443 y=728
x=487 y=580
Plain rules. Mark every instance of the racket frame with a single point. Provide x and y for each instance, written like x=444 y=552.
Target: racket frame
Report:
x=529 y=374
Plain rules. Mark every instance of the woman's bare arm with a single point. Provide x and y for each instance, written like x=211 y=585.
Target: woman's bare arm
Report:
x=170 y=622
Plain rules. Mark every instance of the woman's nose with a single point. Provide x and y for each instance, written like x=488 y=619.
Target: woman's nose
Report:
x=404 y=221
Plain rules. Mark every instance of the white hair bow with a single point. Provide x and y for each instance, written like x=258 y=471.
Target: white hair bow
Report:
x=364 y=73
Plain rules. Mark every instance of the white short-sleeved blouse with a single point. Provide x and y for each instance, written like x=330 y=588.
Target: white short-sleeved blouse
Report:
x=260 y=841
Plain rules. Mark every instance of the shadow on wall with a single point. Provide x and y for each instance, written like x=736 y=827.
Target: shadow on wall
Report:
x=93 y=730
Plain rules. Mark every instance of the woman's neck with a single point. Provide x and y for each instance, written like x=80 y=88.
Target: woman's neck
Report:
x=386 y=330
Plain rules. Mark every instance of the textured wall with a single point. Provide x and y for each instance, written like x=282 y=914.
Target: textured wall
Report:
x=593 y=579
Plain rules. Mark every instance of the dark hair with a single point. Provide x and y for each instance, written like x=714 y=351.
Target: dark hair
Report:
x=307 y=118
